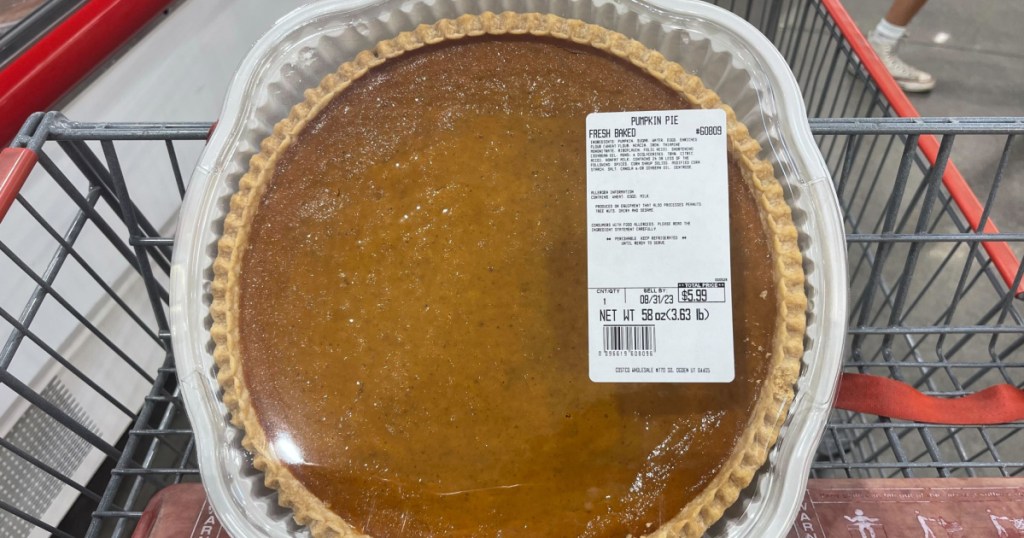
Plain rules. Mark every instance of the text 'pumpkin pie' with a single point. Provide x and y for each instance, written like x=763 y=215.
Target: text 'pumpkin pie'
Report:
x=401 y=289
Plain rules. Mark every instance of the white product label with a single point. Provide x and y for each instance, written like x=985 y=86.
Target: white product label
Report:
x=660 y=296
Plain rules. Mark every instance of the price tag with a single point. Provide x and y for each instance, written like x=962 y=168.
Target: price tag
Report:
x=660 y=295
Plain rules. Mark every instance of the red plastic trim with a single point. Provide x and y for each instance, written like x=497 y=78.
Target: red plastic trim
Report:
x=999 y=251
x=861 y=393
x=15 y=165
x=60 y=59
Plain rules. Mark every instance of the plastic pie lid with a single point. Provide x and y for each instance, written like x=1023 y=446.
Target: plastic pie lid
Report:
x=730 y=56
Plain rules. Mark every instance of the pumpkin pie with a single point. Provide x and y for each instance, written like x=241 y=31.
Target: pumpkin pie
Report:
x=399 y=301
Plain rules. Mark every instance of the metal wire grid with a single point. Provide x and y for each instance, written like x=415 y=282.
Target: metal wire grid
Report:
x=107 y=224
x=907 y=242
x=927 y=306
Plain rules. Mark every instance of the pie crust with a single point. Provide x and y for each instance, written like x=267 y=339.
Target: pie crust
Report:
x=771 y=407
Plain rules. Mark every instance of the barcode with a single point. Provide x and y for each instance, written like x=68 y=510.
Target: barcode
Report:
x=629 y=338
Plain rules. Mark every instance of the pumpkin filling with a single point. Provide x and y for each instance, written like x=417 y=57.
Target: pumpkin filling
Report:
x=413 y=298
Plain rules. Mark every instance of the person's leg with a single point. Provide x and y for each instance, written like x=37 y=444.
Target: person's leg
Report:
x=886 y=38
x=901 y=12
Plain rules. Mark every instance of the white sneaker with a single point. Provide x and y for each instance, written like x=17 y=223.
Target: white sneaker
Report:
x=908 y=77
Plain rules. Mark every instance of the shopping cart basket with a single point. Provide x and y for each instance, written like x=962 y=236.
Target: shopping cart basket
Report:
x=95 y=424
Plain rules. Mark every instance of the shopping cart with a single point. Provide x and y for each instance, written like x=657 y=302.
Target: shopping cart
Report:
x=96 y=425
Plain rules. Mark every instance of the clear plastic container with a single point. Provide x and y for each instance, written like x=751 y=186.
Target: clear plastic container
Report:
x=731 y=57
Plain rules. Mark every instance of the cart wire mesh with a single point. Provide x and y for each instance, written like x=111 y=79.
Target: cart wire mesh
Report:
x=95 y=424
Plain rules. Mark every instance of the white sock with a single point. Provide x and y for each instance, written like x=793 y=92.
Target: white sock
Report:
x=887 y=32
